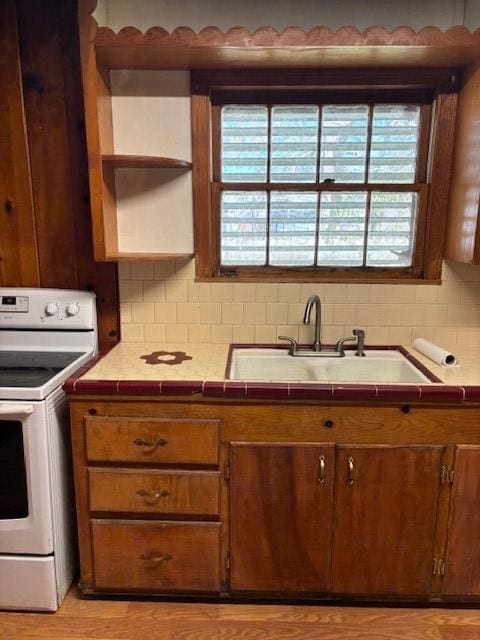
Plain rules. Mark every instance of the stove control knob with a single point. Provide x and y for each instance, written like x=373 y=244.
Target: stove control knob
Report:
x=72 y=309
x=51 y=309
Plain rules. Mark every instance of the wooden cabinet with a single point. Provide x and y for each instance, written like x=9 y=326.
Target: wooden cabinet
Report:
x=154 y=491
x=138 y=128
x=384 y=518
x=148 y=494
x=277 y=500
x=281 y=500
x=463 y=228
x=462 y=575
x=152 y=441
x=156 y=556
x=386 y=501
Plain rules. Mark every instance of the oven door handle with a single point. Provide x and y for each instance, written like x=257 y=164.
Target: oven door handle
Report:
x=15 y=409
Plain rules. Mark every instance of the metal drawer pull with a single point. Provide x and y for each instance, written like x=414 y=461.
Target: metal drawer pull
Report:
x=154 y=560
x=152 y=444
x=152 y=496
x=351 y=475
x=321 y=470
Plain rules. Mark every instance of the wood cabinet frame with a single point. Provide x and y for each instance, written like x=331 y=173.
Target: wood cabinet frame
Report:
x=102 y=161
x=463 y=231
x=285 y=424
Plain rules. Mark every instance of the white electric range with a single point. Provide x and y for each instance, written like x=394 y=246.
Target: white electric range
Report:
x=45 y=336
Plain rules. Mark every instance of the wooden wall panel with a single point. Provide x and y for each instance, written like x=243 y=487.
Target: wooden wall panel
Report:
x=47 y=241
x=47 y=127
x=18 y=256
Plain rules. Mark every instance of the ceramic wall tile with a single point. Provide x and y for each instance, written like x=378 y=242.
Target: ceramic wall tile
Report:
x=254 y=313
x=243 y=333
x=277 y=313
x=289 y=292
x=244 y=292
x=221 y=333
x=143 y=312
x=176 y=290
x=141 y=271
x=131 y=291
x=166 y=295
x=210 y=313
x=266 y=292
x=153 y=291
x=221 y=292
x=232 y=313
x=176 y=333
x=155 y=333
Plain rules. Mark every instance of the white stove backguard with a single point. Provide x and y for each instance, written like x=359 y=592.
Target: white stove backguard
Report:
x=47 y=309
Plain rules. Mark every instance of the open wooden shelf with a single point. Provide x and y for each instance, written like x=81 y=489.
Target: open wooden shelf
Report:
x=144 y=162
x=146 y=257
x=266 y=47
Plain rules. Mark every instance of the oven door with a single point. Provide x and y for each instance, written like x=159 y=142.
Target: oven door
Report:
x=25 y=501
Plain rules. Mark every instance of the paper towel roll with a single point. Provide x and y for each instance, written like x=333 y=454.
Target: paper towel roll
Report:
x=435 y=353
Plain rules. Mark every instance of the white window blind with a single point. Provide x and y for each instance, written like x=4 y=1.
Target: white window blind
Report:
x=266 y=151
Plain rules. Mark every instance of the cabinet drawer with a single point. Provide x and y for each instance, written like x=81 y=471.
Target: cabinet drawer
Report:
x=156 y=556
x=152 y=491
x=152 y=441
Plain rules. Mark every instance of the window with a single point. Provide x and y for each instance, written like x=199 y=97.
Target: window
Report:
x=321 y=183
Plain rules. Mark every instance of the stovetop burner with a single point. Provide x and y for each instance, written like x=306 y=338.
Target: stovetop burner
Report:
x=32 y=368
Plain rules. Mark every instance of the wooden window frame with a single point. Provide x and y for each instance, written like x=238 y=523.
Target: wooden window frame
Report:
x=435 y=89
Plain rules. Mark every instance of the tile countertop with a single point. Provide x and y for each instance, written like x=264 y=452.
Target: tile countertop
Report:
x=124 y=370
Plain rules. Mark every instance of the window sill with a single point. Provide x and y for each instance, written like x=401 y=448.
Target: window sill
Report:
x=319 y=279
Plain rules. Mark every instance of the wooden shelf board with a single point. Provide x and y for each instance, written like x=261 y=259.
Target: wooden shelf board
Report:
x=293 y=47
x=147 y=257
x=144 y=162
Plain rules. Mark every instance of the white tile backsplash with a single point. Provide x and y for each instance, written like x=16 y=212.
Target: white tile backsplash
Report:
x=162 y=301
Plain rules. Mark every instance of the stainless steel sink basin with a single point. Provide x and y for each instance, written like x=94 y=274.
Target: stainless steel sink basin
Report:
x=378 y=366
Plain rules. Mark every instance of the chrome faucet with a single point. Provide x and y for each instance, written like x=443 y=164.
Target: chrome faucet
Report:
x=314 y=300
x=339 y=351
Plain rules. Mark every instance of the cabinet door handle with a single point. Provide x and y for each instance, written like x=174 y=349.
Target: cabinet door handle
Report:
x=351 y=471
x=151 y=497
x=151 y=444
x=321 y=470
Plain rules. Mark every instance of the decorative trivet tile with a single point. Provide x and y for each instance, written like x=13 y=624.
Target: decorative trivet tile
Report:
x=166 y=357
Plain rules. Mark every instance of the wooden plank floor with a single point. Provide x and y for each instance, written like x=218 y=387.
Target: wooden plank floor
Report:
x=124 y=620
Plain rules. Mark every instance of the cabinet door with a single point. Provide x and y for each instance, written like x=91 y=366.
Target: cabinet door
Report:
x=463 y=549
x=281 y=504
x=385 y=518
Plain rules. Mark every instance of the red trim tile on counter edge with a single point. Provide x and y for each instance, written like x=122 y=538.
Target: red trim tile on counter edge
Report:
x=70 y=383
x=236 y=389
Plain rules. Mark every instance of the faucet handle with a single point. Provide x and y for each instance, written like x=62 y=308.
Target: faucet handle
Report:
x=360 y=335
x=339 y=346
x=293 y=344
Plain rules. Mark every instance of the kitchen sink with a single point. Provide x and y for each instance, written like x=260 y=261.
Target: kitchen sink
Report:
x=377 y=366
